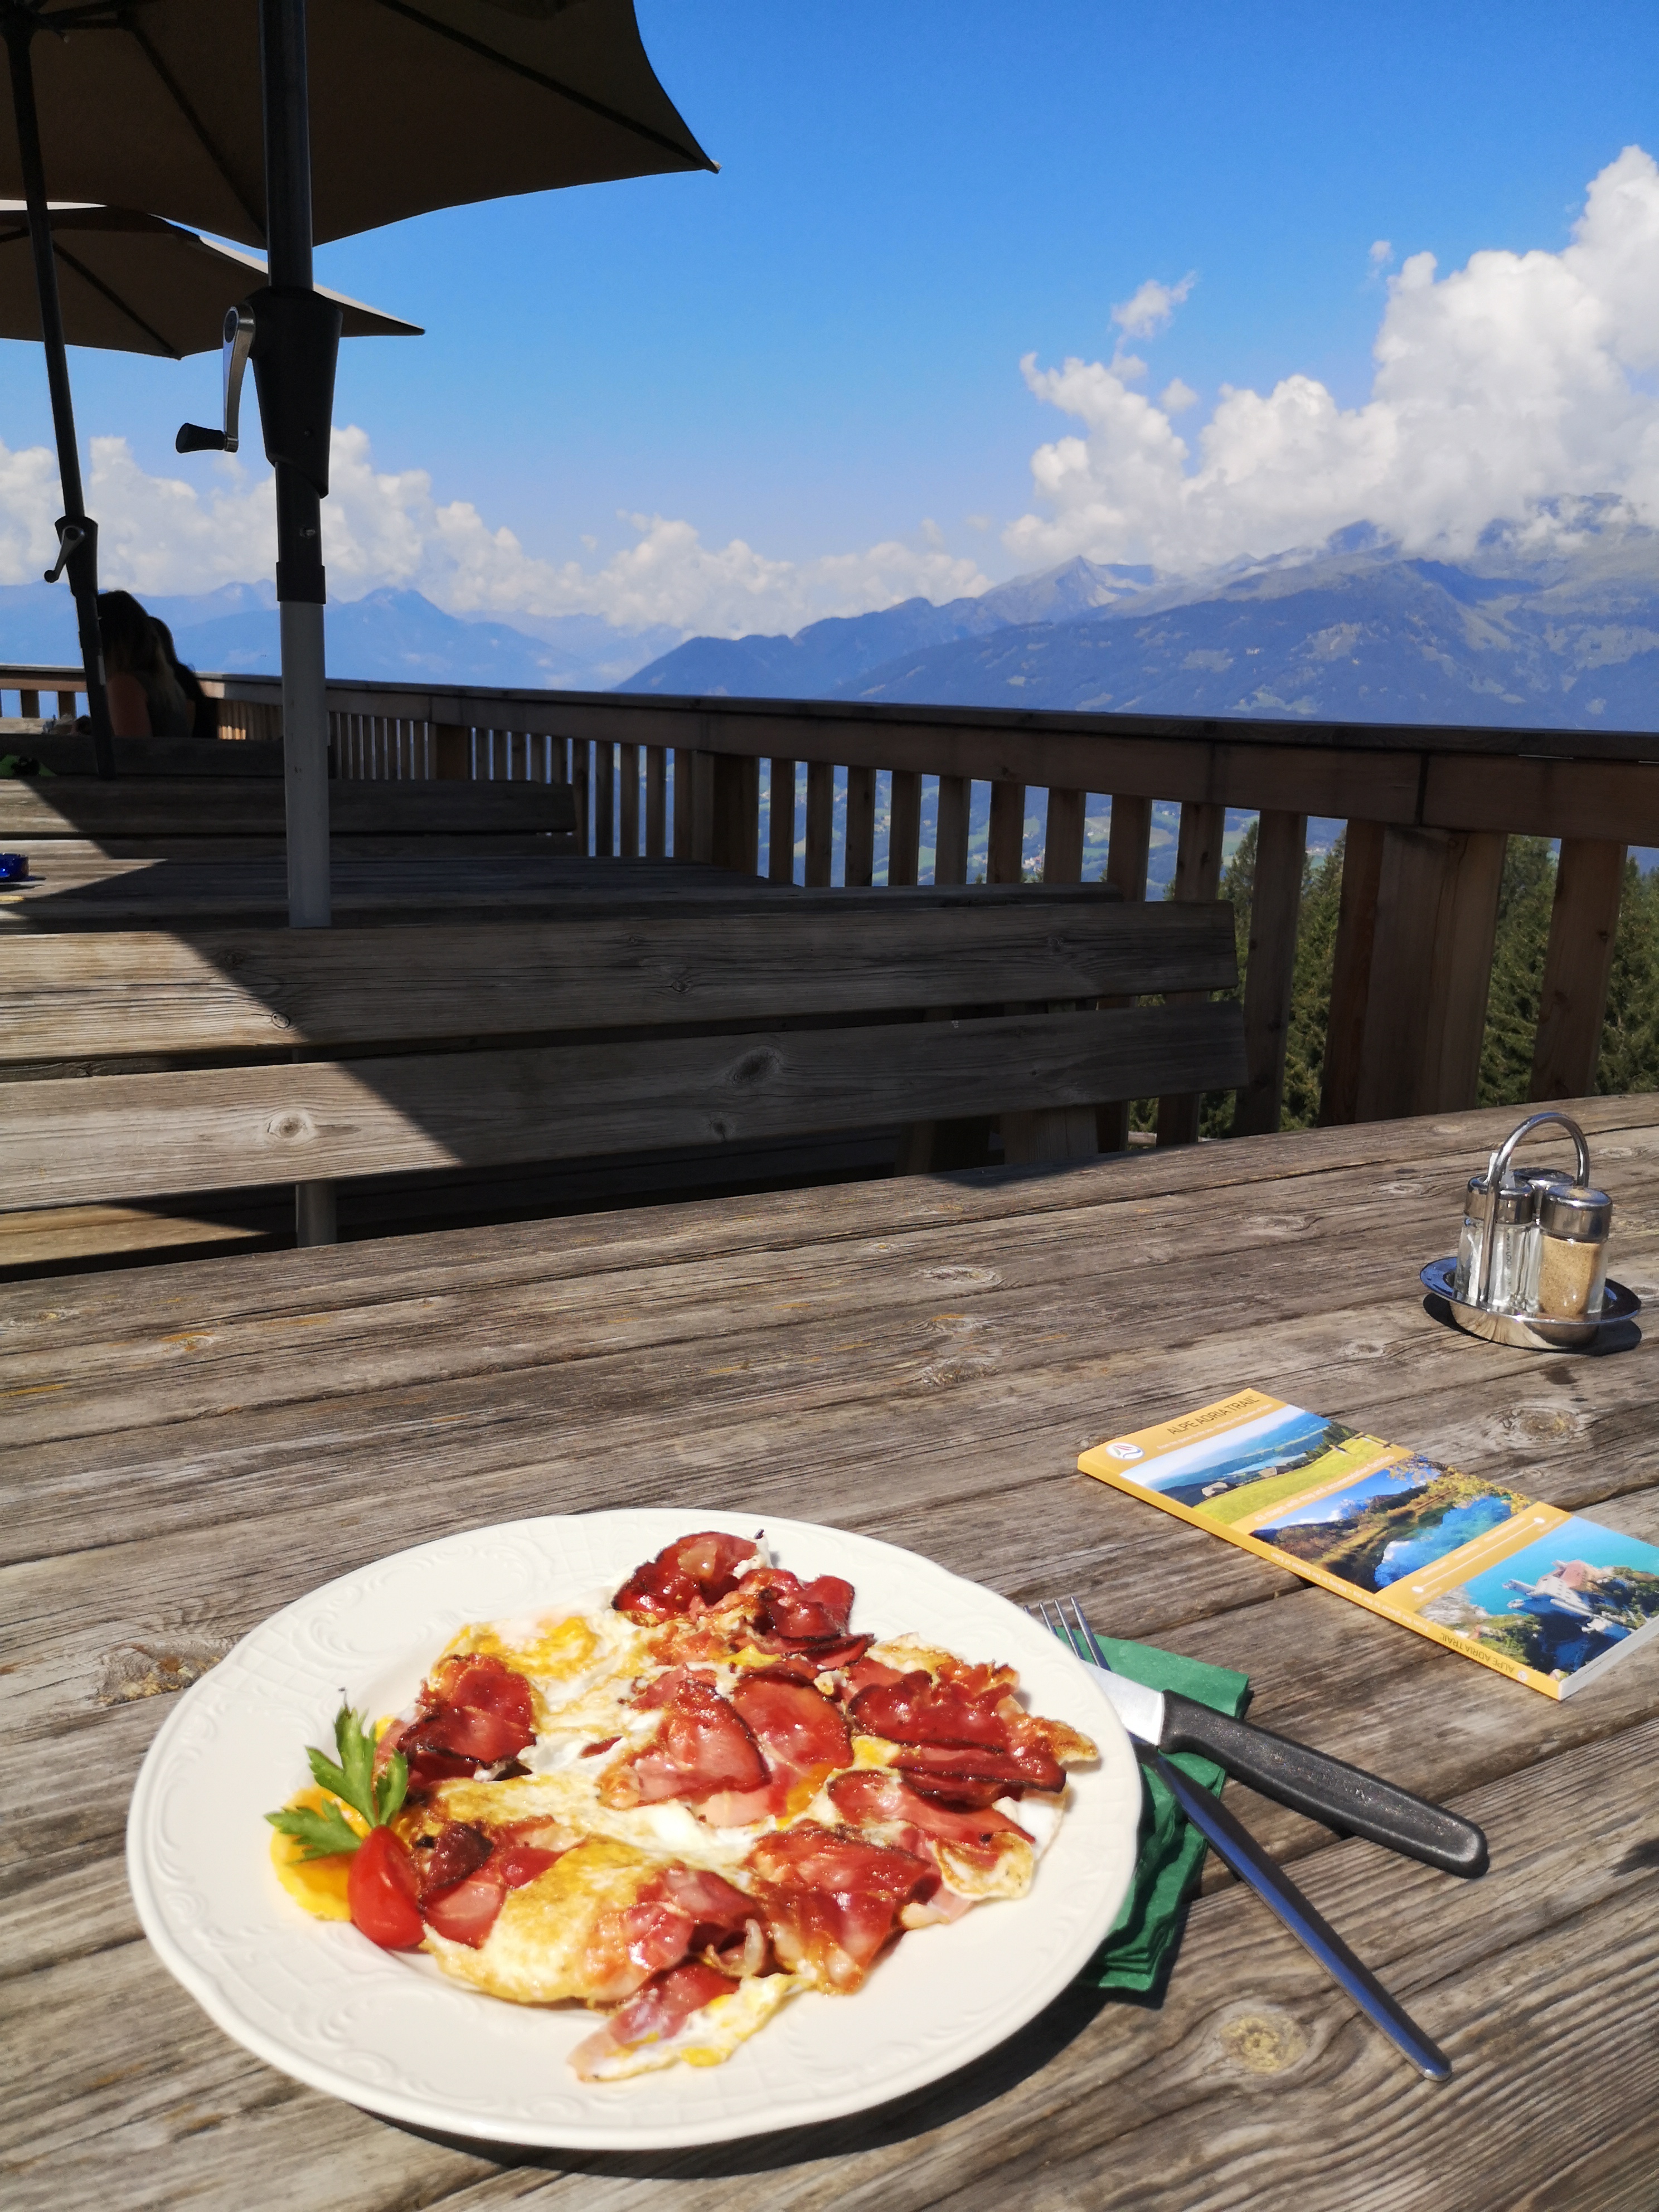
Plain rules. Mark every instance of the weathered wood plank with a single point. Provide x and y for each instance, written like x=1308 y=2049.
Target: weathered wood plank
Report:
x=1351 y=971
x=628 y=786
x=1062 y=852
x=134 y=1136
x=820 y=822
x=858 y=861
x=656 y=802
x=1197 y=879
x=1436 y=920
x=155 y=993
x=780 y=823
x=1280 y=855
x=904 y=829
x=734 y=838
x=951 y=837
x=1601 y=800
x=1005 y=846
x=1572 y=1002
x=1127 y=851
x=225 y=806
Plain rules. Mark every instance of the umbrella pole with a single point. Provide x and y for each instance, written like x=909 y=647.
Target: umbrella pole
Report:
x=299 y=585
x=81 y=559
x=300 y=579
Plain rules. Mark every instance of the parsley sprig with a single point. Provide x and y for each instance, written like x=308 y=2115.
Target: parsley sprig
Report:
x=323 y=1832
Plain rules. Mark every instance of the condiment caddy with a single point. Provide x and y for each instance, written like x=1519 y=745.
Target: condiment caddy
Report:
x=1531 y=1262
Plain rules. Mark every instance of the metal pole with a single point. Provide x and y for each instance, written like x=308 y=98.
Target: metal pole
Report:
x=82 y=559
x=300 y=587
x=300 y=580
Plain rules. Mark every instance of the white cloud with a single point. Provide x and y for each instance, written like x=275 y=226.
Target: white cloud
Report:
x=1176 y=397
x=1149 y=309
x=160 y=533
x=1381 y=253
x=1517 y=380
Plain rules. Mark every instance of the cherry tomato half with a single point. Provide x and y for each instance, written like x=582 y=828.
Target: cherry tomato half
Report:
x=380 y=1892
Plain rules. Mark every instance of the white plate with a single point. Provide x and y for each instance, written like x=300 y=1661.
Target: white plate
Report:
x=391 y=2032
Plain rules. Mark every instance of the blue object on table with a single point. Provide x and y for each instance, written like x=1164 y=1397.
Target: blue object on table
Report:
x=13 y=867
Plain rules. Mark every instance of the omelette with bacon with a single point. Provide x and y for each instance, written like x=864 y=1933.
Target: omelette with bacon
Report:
x=681 y=1807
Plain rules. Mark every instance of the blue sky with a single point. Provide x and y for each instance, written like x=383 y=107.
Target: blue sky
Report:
x=819 y=350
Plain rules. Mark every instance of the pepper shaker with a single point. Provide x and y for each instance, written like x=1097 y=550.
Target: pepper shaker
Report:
x=1571 y=1250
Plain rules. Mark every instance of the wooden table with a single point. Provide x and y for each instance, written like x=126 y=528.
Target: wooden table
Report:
x=188 y=1448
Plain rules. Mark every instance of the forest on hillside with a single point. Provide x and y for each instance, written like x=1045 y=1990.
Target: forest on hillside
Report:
x=1630 y=1039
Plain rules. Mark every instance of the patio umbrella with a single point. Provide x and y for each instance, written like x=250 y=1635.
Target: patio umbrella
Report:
x=412 y=105
x=132 y=283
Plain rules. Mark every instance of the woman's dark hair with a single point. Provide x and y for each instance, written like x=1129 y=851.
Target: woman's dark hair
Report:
x=137 y=644
x=204 y=711
x=130 y=645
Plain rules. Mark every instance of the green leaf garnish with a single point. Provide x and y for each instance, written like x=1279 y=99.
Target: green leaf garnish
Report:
x=351 y=1778
x=319 y=1831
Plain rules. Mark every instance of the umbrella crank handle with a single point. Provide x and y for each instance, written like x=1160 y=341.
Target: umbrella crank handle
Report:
x=193 y=438
x=69 y=535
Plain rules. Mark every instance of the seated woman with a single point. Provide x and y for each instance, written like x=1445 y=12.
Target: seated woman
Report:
x=146 y=699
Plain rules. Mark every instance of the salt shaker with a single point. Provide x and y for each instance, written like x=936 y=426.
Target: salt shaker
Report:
x=1506 y=1220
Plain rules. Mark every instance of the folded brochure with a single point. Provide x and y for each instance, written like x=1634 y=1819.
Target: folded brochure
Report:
x=1545 y=1596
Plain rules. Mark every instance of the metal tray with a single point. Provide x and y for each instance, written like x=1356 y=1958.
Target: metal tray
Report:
x=1532 y=1332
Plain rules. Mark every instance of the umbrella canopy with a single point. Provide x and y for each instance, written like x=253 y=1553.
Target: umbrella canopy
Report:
x=415 y=104
x=132 y=283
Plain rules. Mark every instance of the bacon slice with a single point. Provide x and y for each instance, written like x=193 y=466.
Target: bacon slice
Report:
x=791 y=1608
x=471 y=1712
x=918 y=1710
x=702 y=1749
x=799 y=1731
x=833 y=1900
x=685 y=1576
x=456 y=1850
x=1022 y=1766
x=872 y=1797
x=466 y=1912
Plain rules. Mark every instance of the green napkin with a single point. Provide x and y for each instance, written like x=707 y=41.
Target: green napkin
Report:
x=1140 y=1950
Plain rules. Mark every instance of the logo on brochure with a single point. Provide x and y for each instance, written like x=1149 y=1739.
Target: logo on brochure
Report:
x=1123 y=1449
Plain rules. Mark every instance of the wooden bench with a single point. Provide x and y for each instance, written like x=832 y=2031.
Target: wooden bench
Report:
x=679 y=1021
x=145 y=815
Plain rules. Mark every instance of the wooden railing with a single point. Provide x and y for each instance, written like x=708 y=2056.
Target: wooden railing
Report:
x=1428 y=812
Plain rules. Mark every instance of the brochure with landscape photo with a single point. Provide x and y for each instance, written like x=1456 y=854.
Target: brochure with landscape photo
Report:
x=1543 y=1595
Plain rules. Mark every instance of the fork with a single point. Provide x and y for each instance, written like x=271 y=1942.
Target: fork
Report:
x=1235 y=1847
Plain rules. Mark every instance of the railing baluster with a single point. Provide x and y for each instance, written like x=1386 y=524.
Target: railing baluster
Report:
x=1275 y=904
x=1436 y=923
x=629 y=810
x=734 y=830
x=860 y=866
x=685 y=803
x=951 y=829
x=1588 y=877
x=904 y=829
x=1198 y=877
x=781 y=822
x=1062 y=851
x=579 y=752
x=820 y=820
x=656 y=802
x=1351 y=972
x=604 y=800
x=1128 y=846
x=1005 y=851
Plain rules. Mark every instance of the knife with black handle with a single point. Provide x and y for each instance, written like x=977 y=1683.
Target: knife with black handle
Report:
x=1309 y=1781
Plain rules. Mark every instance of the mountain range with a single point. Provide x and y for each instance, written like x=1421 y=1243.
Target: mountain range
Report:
x=387 y=637
x=1355 y=630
